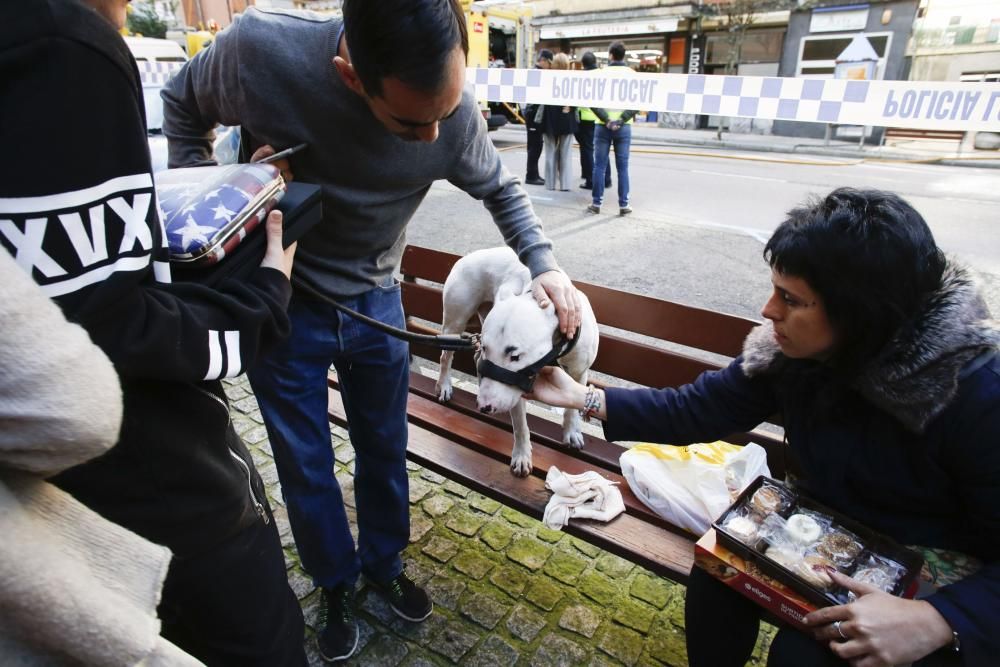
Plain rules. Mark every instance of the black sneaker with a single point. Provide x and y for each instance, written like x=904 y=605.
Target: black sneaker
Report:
x=625 y=210
x=535 y=180
x=408 y=600
x=338 y=635
x=593 y=208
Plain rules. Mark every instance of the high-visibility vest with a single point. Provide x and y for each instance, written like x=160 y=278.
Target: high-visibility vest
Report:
x=585 y=112
x=613 y=70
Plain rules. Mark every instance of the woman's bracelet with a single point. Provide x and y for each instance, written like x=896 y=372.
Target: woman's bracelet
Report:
x=591 y=402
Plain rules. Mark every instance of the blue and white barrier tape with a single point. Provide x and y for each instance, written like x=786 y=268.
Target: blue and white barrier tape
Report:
x=930 y=105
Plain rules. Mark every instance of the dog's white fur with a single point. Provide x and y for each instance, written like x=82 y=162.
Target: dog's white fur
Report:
x=515 y=334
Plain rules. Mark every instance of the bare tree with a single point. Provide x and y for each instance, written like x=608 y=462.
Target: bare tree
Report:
x=737 y=17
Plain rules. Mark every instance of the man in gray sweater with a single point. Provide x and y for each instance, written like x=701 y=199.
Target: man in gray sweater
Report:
x=380 y=99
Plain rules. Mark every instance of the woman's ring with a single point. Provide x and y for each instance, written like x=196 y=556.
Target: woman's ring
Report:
x=840 y=631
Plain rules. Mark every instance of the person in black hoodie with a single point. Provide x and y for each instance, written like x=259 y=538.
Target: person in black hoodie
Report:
x=78 y=213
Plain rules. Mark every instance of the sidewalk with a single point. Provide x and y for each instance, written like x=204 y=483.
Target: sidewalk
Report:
x=902 y=150
x=506 y=590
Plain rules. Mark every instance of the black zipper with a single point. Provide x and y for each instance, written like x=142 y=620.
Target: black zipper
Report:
x=258 y=506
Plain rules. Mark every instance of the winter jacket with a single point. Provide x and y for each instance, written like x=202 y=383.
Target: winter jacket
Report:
x=78 y=213
x=909 y=449
x=558 y=121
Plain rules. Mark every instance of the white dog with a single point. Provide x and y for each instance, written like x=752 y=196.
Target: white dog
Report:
x=515 y=334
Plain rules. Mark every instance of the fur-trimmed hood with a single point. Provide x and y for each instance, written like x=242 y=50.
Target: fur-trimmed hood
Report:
x=916 y=376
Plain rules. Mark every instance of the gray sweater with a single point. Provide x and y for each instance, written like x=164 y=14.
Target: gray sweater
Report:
x=272 y=73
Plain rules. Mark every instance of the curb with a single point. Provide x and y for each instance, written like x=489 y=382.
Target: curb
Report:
x=649 y=135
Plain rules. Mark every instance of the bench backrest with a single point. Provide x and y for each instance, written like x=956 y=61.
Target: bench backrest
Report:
x=678 y=336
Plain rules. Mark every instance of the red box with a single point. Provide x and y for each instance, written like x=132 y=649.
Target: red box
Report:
x=743 y=575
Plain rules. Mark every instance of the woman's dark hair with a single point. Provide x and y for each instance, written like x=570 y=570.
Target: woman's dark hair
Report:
x=411 y=40
x=871 y=258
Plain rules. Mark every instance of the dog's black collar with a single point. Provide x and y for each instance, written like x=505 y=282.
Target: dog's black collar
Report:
x=524 y=379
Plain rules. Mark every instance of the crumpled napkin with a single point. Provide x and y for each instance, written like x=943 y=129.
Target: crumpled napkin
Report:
x=583 y=496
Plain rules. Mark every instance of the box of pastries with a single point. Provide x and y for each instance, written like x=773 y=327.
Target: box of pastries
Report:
x=787 y=544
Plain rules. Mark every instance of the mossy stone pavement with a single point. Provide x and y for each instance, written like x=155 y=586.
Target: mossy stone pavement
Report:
x=507 y=590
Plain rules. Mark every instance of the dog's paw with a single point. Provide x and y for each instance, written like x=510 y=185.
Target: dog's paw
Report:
x=444 y=391
x=520 y=466
x=573 y=439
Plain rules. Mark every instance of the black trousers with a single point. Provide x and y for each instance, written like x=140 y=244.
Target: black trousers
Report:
x=585 y=137
x=722 y=627
x=233 y=606
x=535 y=140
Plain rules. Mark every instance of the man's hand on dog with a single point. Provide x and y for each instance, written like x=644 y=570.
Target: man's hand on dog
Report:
x=555 y=287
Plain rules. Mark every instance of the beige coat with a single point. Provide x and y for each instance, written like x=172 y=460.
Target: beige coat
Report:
x=75 y=589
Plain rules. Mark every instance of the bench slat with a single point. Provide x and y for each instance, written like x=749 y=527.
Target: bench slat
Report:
x=655 y=548
x=702 y=329
x=426 y=263
x=494 y=442
x=596 y=451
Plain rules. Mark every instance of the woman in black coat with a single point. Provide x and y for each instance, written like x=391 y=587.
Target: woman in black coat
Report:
x=882 y=360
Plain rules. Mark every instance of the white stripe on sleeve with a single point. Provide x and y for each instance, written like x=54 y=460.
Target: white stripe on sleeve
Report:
x=214 y=356
x=233 y=362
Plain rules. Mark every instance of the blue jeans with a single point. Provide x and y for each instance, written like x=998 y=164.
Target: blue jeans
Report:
x=604 y=139
x=290 y=386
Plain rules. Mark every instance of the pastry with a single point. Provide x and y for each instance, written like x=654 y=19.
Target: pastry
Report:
x=839 y=547
x=876 y=577
x=784 y=556
x=816 y=570
x=742 y=528
x=803 y=529
x=766 y=499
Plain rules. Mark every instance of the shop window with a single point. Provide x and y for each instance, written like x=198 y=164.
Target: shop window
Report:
x=986 y=77
x=759 y=46
x=818 y=54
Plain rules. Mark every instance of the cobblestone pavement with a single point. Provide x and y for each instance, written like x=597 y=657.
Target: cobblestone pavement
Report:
x=506 y=590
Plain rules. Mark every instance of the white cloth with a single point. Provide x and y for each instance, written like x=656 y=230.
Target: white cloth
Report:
x=583 y=496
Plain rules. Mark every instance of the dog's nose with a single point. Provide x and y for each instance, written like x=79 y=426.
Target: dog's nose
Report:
x=486 y=409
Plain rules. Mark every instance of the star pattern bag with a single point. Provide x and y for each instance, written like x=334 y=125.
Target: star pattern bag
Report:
x=208 y=211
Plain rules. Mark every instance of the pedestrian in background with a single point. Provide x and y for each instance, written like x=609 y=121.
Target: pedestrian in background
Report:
x=535 y=131
x=559 y=124
x=615 y=130
x=585 y=132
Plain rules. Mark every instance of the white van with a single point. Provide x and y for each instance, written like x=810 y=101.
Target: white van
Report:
x=157 y=60
x=149 y=49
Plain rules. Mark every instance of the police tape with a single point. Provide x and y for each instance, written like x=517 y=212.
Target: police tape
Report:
x=156 y=74
x=926 y=105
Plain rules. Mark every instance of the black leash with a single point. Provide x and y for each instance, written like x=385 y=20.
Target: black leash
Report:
x=523 y=379
x=449 y=342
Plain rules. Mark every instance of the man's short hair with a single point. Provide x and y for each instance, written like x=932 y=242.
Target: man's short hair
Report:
x=410 y=40
x=545 y=54
x=617 y=51
x=588 y=60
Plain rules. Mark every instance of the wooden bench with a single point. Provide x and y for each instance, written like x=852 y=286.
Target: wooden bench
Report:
x=464 y=445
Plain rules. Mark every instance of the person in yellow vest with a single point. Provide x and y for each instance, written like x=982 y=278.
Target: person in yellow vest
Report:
x=614 y=129
x=585 y=132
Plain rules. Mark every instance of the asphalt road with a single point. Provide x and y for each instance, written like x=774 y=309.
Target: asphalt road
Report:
x=702 y=217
